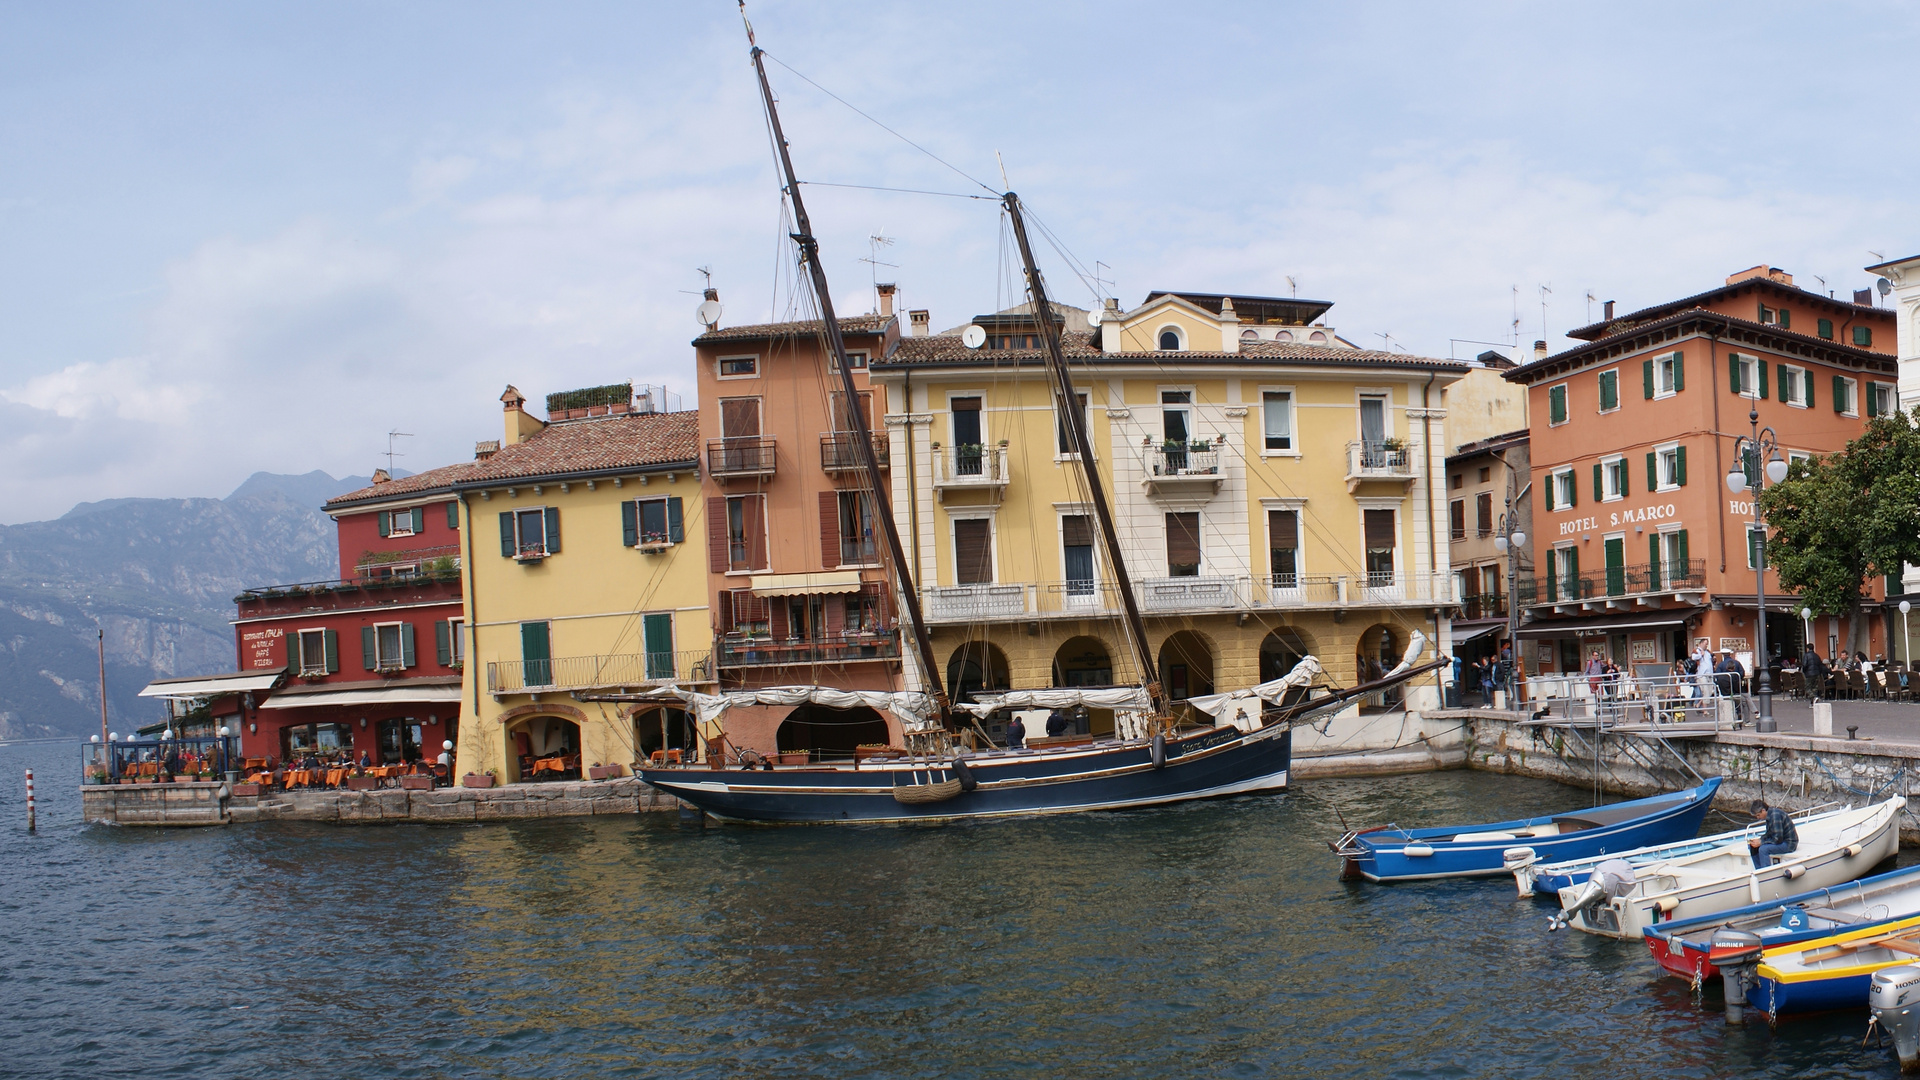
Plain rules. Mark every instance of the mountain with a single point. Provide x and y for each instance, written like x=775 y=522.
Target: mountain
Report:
x=158 y=576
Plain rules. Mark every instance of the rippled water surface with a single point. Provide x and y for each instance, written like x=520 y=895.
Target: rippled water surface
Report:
x=1207 y=940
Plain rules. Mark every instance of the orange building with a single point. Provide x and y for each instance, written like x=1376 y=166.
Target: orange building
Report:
x=1639 y=548
x=795 y=565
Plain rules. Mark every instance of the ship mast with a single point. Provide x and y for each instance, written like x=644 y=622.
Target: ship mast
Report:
x=863 y=436
x=1076 y=423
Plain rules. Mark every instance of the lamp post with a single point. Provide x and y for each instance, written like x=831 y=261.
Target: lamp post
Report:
x=1508 y=541
x=1761 y=445
x=1906 y=643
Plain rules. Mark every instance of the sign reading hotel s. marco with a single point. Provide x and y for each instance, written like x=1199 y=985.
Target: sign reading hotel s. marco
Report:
x=1613 y=519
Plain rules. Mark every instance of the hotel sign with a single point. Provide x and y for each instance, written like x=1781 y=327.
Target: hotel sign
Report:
x=1617 y=518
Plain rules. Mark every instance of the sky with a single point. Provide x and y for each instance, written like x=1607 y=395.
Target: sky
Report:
x=261 y=236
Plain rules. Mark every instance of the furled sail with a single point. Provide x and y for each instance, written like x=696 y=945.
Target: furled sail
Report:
x=1117 y=697
x=913 y=708
x=1302 y=676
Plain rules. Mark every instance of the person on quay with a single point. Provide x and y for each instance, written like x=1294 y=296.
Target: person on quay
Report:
x=1813 y=672
x=1778 y=838
x=1731 y=679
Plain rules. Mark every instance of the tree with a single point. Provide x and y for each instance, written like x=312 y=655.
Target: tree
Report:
x=1839 y=521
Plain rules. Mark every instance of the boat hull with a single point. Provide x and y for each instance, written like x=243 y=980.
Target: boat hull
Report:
x=1114 y=775
x=1683 y=946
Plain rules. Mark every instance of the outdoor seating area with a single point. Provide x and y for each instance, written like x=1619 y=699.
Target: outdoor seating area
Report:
x=314 y=774
x=1887 y=681
x=148 y=761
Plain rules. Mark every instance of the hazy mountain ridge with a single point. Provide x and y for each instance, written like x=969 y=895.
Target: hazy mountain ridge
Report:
x=159 y=577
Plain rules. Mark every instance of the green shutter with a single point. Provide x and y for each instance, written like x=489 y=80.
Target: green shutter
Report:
x=442 y=642
x=676 y=523
x=1679 y=372
x=1599 y=485
x=1806 y=387
x=553 y=530
x=1653 y=562
x=1826 y=329
x=1547 y=495
x=1646 y=375
x=1553 y=575
x=1863 y=336
x=1733 y=371
x=1557 y=404
x=386 y=523
x=332 y=651
x=629 y=523
x=1760 y=365
x=453 y=514
x=1623 y=478
x=406 y=644
x=1609 y=390
x=1653 y=473
x=656 y=632
x=1680 y=466
x=506 y=534
x=1573 y=491
x=1786 y=319
x=1573 y=563
x=419 y=519
x=1753 y=547
x=1873 y=403
x=1686 y=561
x=366 y=647
x=1839 y=394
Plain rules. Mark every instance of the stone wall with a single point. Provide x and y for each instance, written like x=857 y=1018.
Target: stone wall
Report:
x=214 y=804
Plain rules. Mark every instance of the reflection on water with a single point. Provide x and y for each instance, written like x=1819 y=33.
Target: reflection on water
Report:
x=1208 y=940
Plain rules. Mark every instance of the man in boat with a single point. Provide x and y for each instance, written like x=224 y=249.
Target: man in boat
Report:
x=1778 y=838
x=1059 y=722
x=1016 y=733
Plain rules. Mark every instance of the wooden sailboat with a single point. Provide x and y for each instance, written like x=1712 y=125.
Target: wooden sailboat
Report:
x=1161 y=762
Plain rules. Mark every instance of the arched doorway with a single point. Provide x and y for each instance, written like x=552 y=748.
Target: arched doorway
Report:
x=543 y=748
x=976 y=667
x=1083 y=661
x=1186 y=669
x=830 y=733
x=1377 y=653
x=1281 y=650
x=663 y=728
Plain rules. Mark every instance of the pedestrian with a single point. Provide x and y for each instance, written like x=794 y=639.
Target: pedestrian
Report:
x=1730 y=677
x=1016 y=734
x=1596 y=667
x=1486 y=669
x=1778 y=838
x=1813 y=672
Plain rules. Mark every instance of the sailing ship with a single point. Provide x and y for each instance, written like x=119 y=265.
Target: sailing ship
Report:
x=1154 y=759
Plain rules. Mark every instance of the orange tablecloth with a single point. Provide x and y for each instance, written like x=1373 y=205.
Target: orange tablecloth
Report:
x=334 y=776
x=552 y=764
x=296 y=776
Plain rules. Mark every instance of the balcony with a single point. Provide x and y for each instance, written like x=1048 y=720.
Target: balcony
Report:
x=970 y=468
x=1189 y=593
x=1173 y=469
x=1369 y=461
x=840 y=451
x=1646 y=584
x=963 y=603
x=1484 y=606
x=734 y=651
x=1342 y=591
x=740 y=458
x=598 y=672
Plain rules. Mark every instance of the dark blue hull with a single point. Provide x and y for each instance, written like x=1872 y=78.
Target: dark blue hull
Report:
x=1108 y=775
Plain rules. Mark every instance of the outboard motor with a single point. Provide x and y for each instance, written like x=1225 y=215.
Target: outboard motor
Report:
x=1894 y=998
x=1611 y=879
x=1516 y=859
x=1736 y=953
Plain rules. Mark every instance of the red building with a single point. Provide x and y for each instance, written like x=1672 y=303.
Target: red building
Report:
x=372 y=659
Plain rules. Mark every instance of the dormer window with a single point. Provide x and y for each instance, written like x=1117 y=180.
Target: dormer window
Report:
x=1170 y=339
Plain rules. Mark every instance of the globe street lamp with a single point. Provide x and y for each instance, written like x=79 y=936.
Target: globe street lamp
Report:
x=1761 y=444
x=1906 y=643
x=1508 y=541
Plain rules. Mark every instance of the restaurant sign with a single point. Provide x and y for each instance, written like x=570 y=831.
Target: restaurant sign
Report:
x=264 y=649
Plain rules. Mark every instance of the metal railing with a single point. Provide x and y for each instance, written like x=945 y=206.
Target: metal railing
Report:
x=861 y=552
x=751 y=455
x=1615 y=582
x=1194 y=459
x=840 y=451
x=1484 y=606
x=1007 y=600
x=1649 y=697
x=599 y=672
x=733 y=651
x=1378 y=459
x=969 y=466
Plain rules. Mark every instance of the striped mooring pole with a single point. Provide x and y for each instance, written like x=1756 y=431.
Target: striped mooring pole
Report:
x=31 y=823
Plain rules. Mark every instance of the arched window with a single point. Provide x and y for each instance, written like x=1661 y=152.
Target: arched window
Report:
x=1317 y=337
x=1170 y=340
x=1283 y=335
x=1249 y=335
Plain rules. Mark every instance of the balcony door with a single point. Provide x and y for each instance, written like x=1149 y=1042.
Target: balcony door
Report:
x=967 y=436
x=740 y=427
x=1076 y=540
x=1616 y=552
x=1373 y=430
x=536 y=654
x=1176 y=427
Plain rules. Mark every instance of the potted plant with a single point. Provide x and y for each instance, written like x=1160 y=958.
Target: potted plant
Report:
x=1393 y=443
x=793 y=757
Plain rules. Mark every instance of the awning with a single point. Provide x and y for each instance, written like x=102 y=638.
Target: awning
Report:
x=833 y=581
x=386 y=695
x=1668 y=619
x=1459 y=637
x=238 y=682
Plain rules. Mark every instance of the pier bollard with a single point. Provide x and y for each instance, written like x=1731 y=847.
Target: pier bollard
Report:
x=32 y=824
x=1823 y=718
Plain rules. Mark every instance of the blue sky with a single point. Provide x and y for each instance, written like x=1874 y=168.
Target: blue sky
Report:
x=259 y=236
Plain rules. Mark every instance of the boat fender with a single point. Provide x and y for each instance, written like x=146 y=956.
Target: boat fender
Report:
x=1159 y=751
x=964 y=772
x=1853 y=850
x=1416 y=851
x=1796 y=871
x=1666 y=904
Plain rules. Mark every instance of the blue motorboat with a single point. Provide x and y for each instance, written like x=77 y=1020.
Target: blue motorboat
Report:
x=1390 y=853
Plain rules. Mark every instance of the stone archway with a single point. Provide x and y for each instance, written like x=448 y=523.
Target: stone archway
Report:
x=976 y=667
x=1281 y=649
x=663 y=727
x=543 y=747
x=1377 y=652
x=1083 y=661
x=1186 y=666
x=830 y=733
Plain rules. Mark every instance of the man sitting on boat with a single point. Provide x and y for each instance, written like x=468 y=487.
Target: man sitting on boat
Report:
x=1016 y=733
x=1777 y=839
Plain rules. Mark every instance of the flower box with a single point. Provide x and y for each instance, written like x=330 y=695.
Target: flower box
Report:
x=362 y=783
x=603 y=772
x=245 y=791
x=792 y=757
x=476 y=781
x=416 y=783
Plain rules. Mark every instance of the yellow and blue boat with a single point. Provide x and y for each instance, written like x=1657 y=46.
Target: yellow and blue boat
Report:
x=1833 y=972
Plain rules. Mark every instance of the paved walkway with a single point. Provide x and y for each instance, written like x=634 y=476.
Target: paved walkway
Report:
x=1881 y=721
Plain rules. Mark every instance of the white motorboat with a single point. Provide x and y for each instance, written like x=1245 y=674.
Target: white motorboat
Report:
x=1548 y=878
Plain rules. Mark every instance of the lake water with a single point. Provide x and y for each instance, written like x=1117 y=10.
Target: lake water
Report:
x=1207 y=940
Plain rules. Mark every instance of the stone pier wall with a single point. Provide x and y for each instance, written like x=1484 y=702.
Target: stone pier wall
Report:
x=214 y=804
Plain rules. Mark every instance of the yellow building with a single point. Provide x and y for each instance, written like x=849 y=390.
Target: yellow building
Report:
x=1276 y=491
x=597 y=586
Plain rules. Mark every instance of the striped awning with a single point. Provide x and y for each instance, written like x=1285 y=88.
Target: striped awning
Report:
x=832 y=581
x=238 y=682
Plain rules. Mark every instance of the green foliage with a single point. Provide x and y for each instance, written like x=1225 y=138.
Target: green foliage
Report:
x=611 y=394
x=1838 y=521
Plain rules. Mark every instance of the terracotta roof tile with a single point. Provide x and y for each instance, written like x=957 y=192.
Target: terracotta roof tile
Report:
x=854 y=324
x=440 y=479
x=600 y=444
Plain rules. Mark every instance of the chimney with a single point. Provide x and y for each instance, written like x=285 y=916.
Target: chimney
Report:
x=485 y=449
x=920 y=320
x=521 y=425
x=382 y=476
x=1863 y=297
x=886 y=290
x=1607 y=310
x=1539 y=350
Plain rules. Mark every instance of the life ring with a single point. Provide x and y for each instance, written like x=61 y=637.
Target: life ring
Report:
x=1159 y=751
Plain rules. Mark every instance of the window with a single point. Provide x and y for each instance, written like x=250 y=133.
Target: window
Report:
x=1796 y=386
x=862 y=612
x=448 y=647
x=1183 y=544
x=1673 y=567
x=1380 y=543
x=387 y=646
x=1459 y=481
x=531 y=534
x=1664 y=376
x=652 y=522
x=1766 y=314
x=1076 y=548
x=745 y=613
x=1667 y=468
x=1826 y=329
x=318 y=652
x=400 y=740
x=1170 y=339
x=536 y=654
x=855 y=516
x=453 y=515
x=1490 y=581
x=404 y=522
x=1563 y=574
x=1483 y=513
x=969 y=455
x=746 y=532
x=304 y=739
x=1277 y=416
x=1881 y=400
x=1747 y=375
x=1249 y=335
x=739 y=367
x=1609 y=390
x=1457 y=519
x=856 y=360
x=843 y=418
x=1486 y=473
x=972 y=551
x=1283 y=542
x=1863 y=336
x=1063 y=432
x=1557 y=404
x=1613 y=478
x=1562 y=491
x=1843 y=400
x=1174 y=413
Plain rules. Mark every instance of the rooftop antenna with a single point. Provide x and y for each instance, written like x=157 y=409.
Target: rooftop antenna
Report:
x=1386 y=342
x=1293 y=286
x=1516 y=316
x=391 y=452
x=1589 y=307
x=1823 y=283
x=875 y=242
x=1098 y=278
x=1545 y=291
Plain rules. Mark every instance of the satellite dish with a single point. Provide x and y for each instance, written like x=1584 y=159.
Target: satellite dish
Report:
x=1093 y=317
x=1884 y=286
x=973 y=336
x=708 y=313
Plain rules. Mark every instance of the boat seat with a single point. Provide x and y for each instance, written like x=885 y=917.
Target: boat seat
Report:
x=1487 y=836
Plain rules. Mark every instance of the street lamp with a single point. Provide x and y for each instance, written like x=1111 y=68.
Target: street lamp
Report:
x=1508 y=541
x=1906 y=643
x=1760 y=444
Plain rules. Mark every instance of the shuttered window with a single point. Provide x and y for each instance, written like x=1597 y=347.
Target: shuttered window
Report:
x=972 y=551
x=1557 y=404
x=1609 y=391
x=1483 y=513
x=746 y=532
x=1183 y=544
x=1283 y=539
x=1457 y=519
